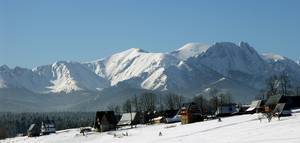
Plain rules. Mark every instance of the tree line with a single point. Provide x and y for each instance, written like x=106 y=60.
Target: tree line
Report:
x=150 y=102
x=12 y=124
x=279 y=84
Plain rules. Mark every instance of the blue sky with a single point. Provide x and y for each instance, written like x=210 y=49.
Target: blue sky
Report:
x=38 y=32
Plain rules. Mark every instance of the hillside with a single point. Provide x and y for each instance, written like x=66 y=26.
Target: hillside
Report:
x=236 y=129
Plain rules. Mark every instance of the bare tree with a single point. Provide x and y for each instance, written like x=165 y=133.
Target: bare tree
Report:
x=173 y=101
x=127 y=106
x=201 y=102
x=272 y=85
x=135 y=103
x=284 y=83
x=261 y=95
x=214 y=103
x=214 y=98
x=148 y=101
x=213 y=92
x=170 y=101
x=225 y=98
x=115 y=108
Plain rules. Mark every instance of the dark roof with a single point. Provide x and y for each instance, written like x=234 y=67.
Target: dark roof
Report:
x=279 y=108
x=229 y=104
x=291 y=101
x=128 y=119
x=48 y=122
x=169 y=113
x=188 y=105
x=192 y=107
x=110 y=116
x=273 y=100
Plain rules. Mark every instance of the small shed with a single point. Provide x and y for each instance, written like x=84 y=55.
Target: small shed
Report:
x=34 y=130
x=48 y=127
x=190 y=113
x=129 y=119
x=105 y=121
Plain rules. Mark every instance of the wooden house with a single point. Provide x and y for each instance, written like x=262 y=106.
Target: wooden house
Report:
x=190 y=113
x=105 y=121
x=284 y=104
x=48 y=127
x=34 y=130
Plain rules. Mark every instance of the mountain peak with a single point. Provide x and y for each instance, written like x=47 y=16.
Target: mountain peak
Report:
x=244 y=44
x=136 y=50
x=225 y=44
x=192 y=45
x=190 y=50
x=4 y=68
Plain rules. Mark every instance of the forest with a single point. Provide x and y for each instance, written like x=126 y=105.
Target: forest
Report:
x=13 y=124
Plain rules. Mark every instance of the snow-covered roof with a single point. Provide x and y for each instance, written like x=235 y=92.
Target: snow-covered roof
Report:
x=254 y=105
x=127 y=119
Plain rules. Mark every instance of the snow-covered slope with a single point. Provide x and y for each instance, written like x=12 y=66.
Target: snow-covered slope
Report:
x=58 y=77
x=190 y=50
x=147 y=69
x=279 y=64
x=226 y=58
x=236 y=129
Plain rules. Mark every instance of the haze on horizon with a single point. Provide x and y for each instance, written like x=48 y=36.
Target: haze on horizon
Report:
x=34 y=33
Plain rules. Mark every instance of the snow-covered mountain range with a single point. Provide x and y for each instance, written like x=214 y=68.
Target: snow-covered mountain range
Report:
x=188 y=70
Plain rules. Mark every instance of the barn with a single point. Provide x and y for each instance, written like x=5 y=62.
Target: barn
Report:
x=105 y=121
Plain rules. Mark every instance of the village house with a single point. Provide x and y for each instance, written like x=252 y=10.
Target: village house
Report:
x=190 y=113
x=226 y=110
x=171 y=116
x=34 y=130
x=47 y=127
x=282 y=105
x=132 y=118
x=105 y=121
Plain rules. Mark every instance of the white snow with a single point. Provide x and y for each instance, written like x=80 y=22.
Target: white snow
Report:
x=225 y=57
x=236 y=129
x=189 y=68
x=190 y=50
x=273 y=57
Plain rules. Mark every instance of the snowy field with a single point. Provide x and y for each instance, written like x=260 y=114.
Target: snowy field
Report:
x=237 y=129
